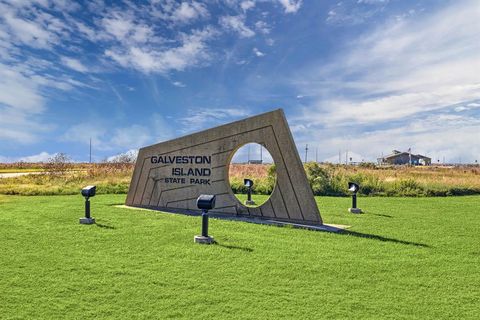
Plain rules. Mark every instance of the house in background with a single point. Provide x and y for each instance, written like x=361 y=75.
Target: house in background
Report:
x=400 y=158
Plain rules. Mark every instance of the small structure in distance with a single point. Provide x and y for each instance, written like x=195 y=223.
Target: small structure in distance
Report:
x=406 y=157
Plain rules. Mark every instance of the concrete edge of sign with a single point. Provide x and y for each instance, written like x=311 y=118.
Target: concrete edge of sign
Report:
x=355 y=210
x=87 y=220
x=323 y=227
x=203 y=240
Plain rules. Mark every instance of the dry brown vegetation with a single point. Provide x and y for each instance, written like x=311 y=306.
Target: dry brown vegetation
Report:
x=468 y=176
x=325 y=179
x=69 y=179
x=328 y=179
x=451 y=176
x=248 y=170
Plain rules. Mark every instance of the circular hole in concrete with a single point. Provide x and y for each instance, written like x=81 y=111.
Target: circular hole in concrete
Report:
x=252 y=161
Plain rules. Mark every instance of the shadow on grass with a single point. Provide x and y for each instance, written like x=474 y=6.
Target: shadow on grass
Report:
x=380 y=238
x=381 y=215
x=233 y=247
x=104 y=226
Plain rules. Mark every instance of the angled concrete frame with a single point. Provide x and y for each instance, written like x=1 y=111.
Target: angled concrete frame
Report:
x=291 y=200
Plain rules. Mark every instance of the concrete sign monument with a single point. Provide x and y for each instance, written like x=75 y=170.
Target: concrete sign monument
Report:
x=170 y=176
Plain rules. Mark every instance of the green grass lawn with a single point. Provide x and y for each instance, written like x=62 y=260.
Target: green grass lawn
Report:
x=404 y=258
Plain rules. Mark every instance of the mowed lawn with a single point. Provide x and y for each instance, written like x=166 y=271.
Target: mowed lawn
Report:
x=404 y=258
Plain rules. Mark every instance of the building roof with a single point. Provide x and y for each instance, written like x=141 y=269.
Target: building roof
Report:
x=396 y=153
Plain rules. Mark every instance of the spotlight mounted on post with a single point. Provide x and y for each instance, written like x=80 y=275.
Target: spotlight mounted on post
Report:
x=353 y=188
x=88 y=192
x=249 y=184
x=205 y=202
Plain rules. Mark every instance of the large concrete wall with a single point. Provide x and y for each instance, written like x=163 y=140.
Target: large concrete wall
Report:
x=172 y=174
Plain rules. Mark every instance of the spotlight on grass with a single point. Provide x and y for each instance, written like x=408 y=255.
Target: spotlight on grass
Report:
x=353 y=188
x=88 y=192
x=205 y=202
x=249 y=184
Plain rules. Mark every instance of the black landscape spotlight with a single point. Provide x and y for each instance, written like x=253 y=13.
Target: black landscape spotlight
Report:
x=353 y=188
x=205 y=202
x=88 y=192
x=249 y=184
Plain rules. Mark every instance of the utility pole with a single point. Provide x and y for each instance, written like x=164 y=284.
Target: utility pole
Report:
x=90 y=150
x=316 y=154
x=261 y=154
x=346 y=157
x=306 y=152
x=339 y=156
x=248 y=156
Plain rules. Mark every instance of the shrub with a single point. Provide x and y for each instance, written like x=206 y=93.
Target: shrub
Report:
x=59 y=164
x=318 y=178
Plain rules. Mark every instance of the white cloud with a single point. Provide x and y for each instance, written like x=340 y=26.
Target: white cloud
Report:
x=252 y=151
x=191 y=51
x=128 y=29
x=130 y=154
x=349 y=13
x=436 y=136
x=179 y=84
x=95 y=131
x=237 y=24
x=21 y=102
x=258 y=53
x=291 y=6
x=262 y=27
x=108 y=137
x=41 y=157
x=341 y=157
x=33 y=27
x=187 y=12
x=18 y=91
x=247 y=4
x=460 y=108
x=201 y=118
x=26 y=76
x=403 y=69
x=395 y=79
x=134 y=136
x=29 y=32
x=74 y=64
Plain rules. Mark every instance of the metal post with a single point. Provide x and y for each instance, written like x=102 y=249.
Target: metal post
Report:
x=87 y=208
x=249 y=194
x=204 y=223
x=354 y=201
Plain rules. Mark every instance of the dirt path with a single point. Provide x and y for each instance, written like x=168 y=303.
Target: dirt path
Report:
x=17 y=174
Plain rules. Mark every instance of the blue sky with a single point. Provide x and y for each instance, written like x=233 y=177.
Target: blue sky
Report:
x=366 y=76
